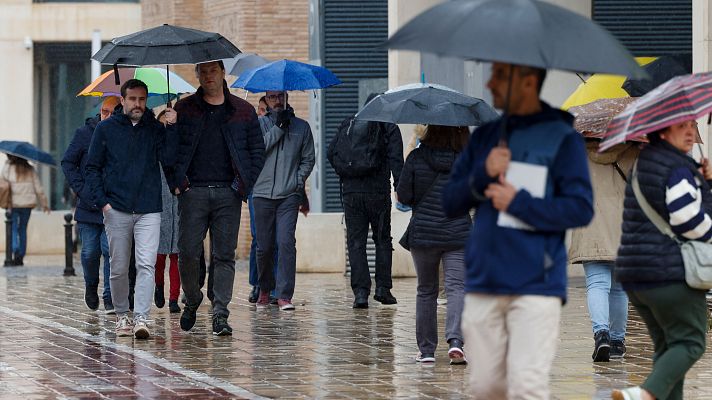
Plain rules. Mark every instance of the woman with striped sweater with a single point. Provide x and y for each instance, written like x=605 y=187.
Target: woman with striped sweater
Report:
x=649 y=263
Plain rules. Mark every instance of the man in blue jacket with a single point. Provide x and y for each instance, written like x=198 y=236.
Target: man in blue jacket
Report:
x=90 y=222
x=125 y=181
x=516 y=277
x=220 y=155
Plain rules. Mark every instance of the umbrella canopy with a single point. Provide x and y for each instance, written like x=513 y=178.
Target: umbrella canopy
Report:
x=600 y=86
x=244 y=61
x=680 y=99
x=154 y=78
x=27 y=151
x=431 y=104
x=166 y=44
x=660 y=71
x=524 y=32
x=285 y=75
x=593 y=118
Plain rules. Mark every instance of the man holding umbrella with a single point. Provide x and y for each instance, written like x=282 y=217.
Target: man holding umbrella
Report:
x=125 y=182
x=516 y=276
x=277 y=194
x=220 y=154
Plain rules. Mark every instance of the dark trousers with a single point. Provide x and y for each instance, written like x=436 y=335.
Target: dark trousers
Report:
x=360 y=211
x=276 y=221
x=200 y=209
x=676 y=317
x=253 y=248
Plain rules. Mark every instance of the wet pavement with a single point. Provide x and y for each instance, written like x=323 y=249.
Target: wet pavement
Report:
x=52 y=346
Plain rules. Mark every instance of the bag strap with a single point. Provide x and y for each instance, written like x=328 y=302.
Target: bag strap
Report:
x=648 y=210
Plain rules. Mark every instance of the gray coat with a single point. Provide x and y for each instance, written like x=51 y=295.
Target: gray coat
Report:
x=168 y=243
x=289 y=158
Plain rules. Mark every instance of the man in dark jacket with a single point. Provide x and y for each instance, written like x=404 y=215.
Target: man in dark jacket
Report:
x=125 y=183
x=220 y=156
x=516 y=269
x=367 y=201
x=90 y=222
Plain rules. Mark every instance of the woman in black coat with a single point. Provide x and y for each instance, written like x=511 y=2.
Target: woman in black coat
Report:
x=433 y=237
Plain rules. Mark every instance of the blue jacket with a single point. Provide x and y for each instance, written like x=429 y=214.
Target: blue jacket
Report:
x=74 y=165
x=518 y=262
x=123 y=166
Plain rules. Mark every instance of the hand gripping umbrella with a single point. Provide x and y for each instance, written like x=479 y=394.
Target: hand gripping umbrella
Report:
x=165 y=44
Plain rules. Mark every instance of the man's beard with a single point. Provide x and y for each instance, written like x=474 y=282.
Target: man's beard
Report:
x=136 y=117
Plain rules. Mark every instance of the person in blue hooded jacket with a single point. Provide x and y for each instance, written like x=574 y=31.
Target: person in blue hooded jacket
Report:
x=515 y=279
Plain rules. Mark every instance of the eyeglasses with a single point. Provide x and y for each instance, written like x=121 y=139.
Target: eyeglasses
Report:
x=274 y=96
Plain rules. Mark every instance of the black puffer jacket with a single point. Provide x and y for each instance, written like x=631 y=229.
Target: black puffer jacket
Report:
x=425 y=173
x=647 y=257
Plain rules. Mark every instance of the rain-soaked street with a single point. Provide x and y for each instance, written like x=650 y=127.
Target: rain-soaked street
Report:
x=52 y=346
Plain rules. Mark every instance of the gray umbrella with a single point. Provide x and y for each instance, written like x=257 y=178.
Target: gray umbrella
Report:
x=427 y=103
x=524 y=32
x=244 y=61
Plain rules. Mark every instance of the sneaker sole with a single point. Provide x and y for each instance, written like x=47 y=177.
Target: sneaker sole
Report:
x=603 y=354
x=457 y=357
x=110 y=312
x=224 y=332
x=287 y=308
x=142 y=333
x=426 y=360
x=261 y=306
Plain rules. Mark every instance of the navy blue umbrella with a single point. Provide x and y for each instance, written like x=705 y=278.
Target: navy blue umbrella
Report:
x=286 y=75
x=27 y=151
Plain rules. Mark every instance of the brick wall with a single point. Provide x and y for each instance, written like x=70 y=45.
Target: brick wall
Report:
x=274 y=29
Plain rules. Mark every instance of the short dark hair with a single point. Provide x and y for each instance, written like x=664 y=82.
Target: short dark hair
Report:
x=446 y=137
x=133 y=84
x=262 y=99
x=220 y=64
x=540 y=73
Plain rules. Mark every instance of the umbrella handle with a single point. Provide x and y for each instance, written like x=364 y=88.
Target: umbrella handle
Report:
x=116 y=75
x=168 y=86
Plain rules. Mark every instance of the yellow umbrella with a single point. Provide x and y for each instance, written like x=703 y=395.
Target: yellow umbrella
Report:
x=600 y=86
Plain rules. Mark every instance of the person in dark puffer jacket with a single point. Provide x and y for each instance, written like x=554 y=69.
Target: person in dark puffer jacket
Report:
x=434 y=237
x=650 y=265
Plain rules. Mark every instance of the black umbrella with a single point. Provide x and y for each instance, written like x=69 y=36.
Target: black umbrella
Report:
x=165 y=44
x=661 y=70
x=523 y=32
x=427 y=103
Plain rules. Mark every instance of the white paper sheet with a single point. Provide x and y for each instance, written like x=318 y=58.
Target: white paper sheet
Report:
x=530 y=177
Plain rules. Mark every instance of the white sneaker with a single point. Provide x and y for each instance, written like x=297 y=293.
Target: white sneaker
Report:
x=631 y=393
x=140 y=329
x=124 y=326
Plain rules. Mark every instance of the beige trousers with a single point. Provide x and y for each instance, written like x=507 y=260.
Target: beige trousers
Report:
x=511 y=342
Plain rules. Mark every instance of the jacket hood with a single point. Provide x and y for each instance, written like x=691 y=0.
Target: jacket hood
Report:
x=92 y=122
x=607 y=157
x=547 y=113
x=439 y=160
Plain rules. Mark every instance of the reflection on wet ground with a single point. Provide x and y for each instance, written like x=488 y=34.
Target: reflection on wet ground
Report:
x=51 y=346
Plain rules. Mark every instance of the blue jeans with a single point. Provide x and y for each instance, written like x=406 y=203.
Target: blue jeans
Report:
x=20 y=217
x=607 y=301
x=95 y=245
x=253 y=247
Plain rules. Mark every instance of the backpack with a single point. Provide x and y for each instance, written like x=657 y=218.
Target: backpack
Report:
x=357 y=149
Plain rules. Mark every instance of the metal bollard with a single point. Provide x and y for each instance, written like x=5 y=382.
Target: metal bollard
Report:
x=8 y=240
x=68 y=254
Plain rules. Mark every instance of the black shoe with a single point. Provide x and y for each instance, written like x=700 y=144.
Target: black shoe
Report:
x=173 y=306
x=273 y=300
x=601 y=351
x=91 y=298
x=220 y=326
x=158 y=297
x=254 y=294
x=187 y=319
x=456 y=352
x=361 y=300
x=617 y=348
x=384 y=296
x=17 y=262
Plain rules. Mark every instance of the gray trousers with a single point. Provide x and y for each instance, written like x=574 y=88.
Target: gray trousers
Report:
x=201 y=209
x=427 y=266
x=123 y=230
x=276 y=221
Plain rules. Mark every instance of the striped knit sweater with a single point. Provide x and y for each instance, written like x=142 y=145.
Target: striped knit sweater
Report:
x=684 y=203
